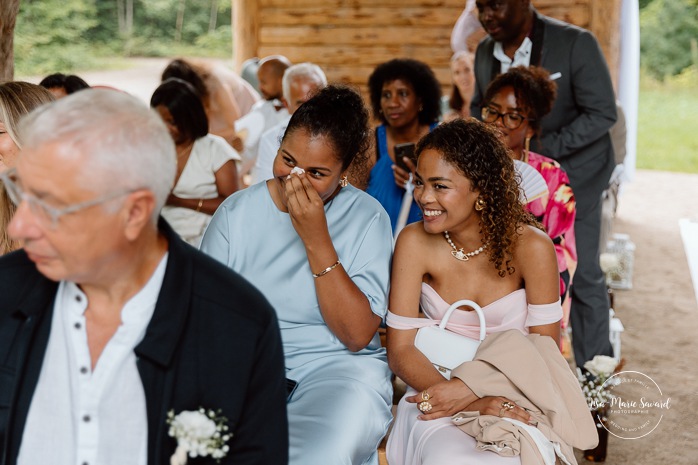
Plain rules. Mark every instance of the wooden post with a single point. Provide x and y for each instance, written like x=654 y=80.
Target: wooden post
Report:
x=245 y=31
x=605 y=24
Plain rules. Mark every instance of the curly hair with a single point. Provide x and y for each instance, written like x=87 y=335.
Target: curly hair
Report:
x=418 y=75
x=337 y=113
x=476 y=151
x=534 y=91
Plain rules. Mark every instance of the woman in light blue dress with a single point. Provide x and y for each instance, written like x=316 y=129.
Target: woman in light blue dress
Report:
x=319 y=249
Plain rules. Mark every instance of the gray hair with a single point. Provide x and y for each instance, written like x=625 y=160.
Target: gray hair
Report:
x=310 y=71
x=124 y=143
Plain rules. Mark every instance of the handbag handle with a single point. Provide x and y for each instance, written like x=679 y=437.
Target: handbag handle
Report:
x=474 y=306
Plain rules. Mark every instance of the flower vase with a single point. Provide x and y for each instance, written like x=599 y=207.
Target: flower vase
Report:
x=598 y=454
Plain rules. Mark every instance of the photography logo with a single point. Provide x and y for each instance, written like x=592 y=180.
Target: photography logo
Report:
x=636 y=406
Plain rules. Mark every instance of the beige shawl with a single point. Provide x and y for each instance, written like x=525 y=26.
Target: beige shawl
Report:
x=530 y=371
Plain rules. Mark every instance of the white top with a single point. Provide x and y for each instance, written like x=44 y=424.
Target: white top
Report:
x=272 y=117
x=268 y=147
x=198 y=181
x=79 y=416
x=522 y=56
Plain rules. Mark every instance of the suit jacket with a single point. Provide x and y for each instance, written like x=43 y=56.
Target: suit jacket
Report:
x=530 y=371
x=575 y=132
x=213 y=342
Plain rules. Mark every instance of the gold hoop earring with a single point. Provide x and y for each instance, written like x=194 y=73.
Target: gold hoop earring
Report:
x=480 y=204
x=344 y=182
x=527 y=144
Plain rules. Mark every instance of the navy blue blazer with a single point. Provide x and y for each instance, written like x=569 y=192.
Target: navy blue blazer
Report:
x=575 y=133
x=213 y=342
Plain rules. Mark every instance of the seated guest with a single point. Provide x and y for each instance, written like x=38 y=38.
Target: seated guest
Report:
x=515 y=103
x=463 y=84
x=225 y=95
x=206 y=164
x=17 y=98
x=300 y=82
x=269 y=111
x=109 y=320
x=476 y=242
x=405 y=97
x=319 y=249
x=61 y=85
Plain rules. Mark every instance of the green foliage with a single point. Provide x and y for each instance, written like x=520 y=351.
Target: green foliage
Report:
x=644 y=3
x=667 y=29
x=69 y=35
x=667 y=139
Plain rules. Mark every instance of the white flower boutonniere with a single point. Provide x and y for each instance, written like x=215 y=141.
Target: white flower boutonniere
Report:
x=199 y=433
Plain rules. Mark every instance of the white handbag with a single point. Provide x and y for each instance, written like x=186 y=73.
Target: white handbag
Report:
x=446 y=349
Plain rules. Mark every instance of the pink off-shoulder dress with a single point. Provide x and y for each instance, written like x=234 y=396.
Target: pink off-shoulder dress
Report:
x=437 y=442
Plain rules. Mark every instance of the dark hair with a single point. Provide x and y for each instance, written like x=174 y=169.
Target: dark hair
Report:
x=476 y=151
x=418 y=75
x=71 y=83
x=337 y=113
x=182 y=70
x=455 y=101
x=534 y=91
x=185 y=106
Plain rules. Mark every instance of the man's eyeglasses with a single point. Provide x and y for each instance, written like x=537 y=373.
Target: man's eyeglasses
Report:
x=510 y=120
x=44 y=212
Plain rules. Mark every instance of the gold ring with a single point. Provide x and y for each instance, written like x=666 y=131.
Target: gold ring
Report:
x=508 y=405
x=425 y=395
x=424 y=407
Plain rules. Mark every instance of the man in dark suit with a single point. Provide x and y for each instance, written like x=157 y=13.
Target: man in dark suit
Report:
x=108 y=321
x=575 y=133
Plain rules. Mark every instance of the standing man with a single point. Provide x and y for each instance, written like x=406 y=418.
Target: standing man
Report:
x=108 y=321
x=575 y=133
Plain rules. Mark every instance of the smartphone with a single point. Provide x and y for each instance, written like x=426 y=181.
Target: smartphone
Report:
x=404 y=150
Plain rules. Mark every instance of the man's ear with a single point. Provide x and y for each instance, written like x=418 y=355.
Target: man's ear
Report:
x=138 y=210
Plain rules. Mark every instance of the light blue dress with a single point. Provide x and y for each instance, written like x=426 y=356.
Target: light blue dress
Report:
x=340 y=410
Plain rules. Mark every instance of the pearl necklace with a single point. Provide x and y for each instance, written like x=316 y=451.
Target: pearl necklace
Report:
x=458 y=254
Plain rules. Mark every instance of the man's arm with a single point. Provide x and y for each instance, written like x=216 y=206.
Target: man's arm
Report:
x=593 y=96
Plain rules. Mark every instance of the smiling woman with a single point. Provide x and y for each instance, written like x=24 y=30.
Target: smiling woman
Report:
x=319 y=249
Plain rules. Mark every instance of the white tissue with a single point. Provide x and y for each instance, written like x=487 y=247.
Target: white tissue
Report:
x=295 y=170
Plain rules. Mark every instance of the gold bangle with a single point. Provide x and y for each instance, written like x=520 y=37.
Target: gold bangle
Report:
x=198 y=207
x=326 y=270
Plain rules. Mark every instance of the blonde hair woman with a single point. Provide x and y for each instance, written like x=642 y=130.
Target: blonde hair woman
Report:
x=17 y=98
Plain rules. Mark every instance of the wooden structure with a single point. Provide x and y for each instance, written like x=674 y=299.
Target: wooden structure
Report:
x=348 y=38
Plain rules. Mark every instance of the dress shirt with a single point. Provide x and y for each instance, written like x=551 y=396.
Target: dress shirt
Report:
x=80 y=416
x=268 y=147
x=522 y=56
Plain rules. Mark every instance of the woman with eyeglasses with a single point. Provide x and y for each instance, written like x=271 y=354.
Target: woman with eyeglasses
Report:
x=16 y=100
x=515 y=103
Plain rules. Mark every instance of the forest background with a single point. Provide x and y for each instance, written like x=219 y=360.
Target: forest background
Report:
x=79 y=35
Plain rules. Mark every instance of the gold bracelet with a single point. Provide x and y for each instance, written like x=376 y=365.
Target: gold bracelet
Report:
x=326 y=270
x=198 y=207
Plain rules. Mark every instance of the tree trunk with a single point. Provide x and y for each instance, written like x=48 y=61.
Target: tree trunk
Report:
x=121 y=15
x=214 y=17
x=9 y=9
x=180 y=20
x=129 y=17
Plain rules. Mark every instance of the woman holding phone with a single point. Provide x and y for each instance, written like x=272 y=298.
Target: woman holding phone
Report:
x=405 y=98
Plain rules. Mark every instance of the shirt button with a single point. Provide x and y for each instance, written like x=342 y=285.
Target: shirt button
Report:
x=77 y=325
x=85 y=463
x=84 y=370
x=78 y=298
x=86 y=418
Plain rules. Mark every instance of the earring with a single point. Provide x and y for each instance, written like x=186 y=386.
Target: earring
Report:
x=480 y=204
x=527 y=144
x=421 y=107
x=344 y=182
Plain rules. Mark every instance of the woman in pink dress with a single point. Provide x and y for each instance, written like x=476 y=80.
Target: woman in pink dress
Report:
x=476 y=242
x=515 y=103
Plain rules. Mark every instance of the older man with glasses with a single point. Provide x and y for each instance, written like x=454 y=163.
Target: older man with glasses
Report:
x=110 y=325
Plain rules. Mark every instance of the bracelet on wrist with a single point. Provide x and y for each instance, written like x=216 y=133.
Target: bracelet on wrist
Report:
x=198 y=207
x=327 y=270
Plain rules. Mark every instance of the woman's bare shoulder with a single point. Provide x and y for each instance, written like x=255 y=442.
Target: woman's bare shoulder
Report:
x=533 y=243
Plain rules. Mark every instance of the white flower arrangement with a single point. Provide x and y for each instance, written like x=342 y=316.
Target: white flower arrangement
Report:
x=199 y=433
x=594 y=390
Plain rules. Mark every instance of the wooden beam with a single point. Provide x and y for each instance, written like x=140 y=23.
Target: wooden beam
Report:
x=605 y=24
x=246 y=31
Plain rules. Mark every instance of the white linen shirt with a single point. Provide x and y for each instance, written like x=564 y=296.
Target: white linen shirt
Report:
x=80 y=416
x=522 y=56
x=269 y=145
